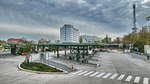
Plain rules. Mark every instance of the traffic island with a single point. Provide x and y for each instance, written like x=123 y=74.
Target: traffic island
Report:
x=37 y=67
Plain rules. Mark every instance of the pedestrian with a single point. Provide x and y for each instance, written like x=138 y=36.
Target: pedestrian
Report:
x=147 y=57
x=72 y=67
x=27 y=58
x=41 y=57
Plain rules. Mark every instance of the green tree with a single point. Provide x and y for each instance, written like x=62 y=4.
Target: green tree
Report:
x=138 y=39
x=117 y=40
x=80 y=40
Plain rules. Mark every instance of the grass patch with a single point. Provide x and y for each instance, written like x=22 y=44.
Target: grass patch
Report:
x=36 y=66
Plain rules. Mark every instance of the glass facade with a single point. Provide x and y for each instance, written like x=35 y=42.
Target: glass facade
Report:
x=69 y=34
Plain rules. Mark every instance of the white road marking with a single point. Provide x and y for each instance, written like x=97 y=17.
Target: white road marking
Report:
x=137 y=79
x=121 y=77
x=113 y=76
x=77 y=72
x=107 y=75
x=100 y=74
x=88 y=73
x=145 y=81
x=129 y=78
x=94 y=74
x=82 y=73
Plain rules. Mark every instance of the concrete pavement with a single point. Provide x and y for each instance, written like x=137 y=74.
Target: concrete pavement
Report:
x=135 y=70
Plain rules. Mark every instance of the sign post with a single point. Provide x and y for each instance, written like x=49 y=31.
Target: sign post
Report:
x=147 y=51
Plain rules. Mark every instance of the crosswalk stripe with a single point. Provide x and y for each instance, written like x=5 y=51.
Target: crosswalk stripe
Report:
x=94 y=74
x=107 y=75
x=145 y=81
x=113 y=76
x=88 y=73
x=101 y=74
x=137 y=79
x=121 y=77
x=77 y=72
x=82 y=73
x=129 y=78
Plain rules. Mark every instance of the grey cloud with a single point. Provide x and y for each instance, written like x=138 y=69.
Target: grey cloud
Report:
x=95 y=16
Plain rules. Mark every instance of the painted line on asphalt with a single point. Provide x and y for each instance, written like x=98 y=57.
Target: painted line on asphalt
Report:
x=88 y=73
x=145 y=80
x=137 y=79
x=129 y=78
x=94 y=74
x=77 y=72
x=98 y=74
x=101 y=74
x=83 y=73
x=121 y=77
x=107 y=75
x=113 y=76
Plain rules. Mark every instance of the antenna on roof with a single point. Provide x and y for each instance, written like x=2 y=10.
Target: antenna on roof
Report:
x=134 y=29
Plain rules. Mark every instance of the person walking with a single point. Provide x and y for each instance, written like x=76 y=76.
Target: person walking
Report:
x=72 y=67
x=27 y=58
x=147 y=57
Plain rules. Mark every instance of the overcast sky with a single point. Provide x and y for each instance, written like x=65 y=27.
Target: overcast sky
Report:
x=35 y=19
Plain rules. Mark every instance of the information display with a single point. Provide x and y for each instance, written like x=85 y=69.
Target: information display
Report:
x=147 y=49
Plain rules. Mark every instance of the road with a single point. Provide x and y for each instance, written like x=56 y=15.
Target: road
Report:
x=115 y=68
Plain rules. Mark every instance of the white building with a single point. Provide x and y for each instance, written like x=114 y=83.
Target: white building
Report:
x=69 y=34
x=146 y=28
x=147 y=49
x=89 y=39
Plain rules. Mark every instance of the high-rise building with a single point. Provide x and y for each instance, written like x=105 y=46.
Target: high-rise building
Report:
x=69 y=34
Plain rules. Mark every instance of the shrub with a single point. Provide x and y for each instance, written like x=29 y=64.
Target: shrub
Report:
x=35 y=66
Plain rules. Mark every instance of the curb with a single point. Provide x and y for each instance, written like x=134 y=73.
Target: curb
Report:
x=38 y=72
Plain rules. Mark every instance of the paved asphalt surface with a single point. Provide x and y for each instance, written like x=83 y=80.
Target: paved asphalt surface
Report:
x=115 y=68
